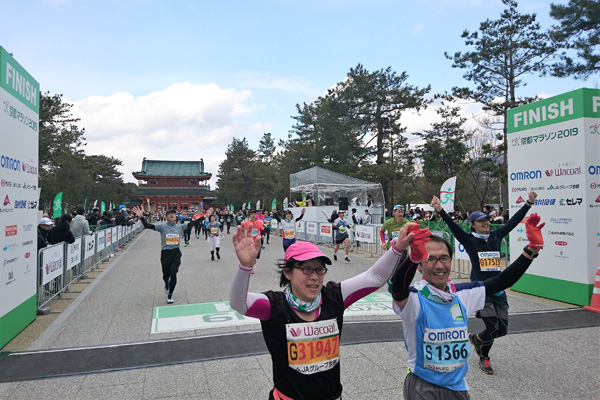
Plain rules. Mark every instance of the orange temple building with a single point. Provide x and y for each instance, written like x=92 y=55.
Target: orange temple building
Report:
x=181 y=185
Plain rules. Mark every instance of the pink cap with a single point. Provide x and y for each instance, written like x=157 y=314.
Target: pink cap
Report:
x=302 y=251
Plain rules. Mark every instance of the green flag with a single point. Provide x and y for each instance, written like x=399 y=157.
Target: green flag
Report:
x=249 y=205
x=232 y=208
x=102 y=207
x=57 y=205
x=85 y=204
x=274 y=204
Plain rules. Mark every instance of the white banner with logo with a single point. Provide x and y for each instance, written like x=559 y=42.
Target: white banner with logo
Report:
x=326 y=230
x=312 y=228
x=108 y=236
x=365 y=233
x=52 y=262
x=89 y=242
x=114 y=234
x=300 y=227
x=459 y=251
x=554 y=150
x=73 y=253
x=100 y=240
x=119 y=232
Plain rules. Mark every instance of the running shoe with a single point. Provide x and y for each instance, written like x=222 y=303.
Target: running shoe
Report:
x=485 y=366
x=346 y=259
x=476 y=343
x=170 y=300
x=335 y=256
x=218 y=256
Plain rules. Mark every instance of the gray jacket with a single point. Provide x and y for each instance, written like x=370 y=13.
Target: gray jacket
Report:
x=80 y=226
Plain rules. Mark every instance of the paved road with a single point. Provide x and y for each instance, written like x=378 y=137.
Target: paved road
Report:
x=116 y=310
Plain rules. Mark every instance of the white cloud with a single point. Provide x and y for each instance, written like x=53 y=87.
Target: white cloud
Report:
x=418 y=28
x=294 y=84
x=181 y=122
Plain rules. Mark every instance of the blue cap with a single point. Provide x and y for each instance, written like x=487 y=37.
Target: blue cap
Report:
x=477 y=215
x=398 y=206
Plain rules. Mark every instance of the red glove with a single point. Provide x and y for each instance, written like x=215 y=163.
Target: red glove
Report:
x=417 y=246
x=533 y=231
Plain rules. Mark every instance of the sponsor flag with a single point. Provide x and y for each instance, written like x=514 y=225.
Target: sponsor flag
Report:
x=85 y=203
x=285 y=203
x=232 y=208
x=57 y=205
x=274 y=204
x=102 y=207
x=447 y=194
x=258 y=205
x=249 y=205
x=244 y=206
x=96 y=203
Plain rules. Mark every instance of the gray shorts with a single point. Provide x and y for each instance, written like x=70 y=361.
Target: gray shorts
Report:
x=416 y=388
x=495 y=306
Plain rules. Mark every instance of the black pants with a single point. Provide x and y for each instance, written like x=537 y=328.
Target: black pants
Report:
x=170 y=260
x=228 y=226
x=268 y=234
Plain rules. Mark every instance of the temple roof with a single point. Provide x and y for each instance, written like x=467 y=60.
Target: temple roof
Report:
x=172 y=168
x=194 y=191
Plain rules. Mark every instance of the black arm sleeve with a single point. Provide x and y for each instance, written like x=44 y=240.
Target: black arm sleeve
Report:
x=146 y=224
x=300 y=217
x=456 y=230
x=508 y=277
x=403 y=277
x=277 y=217
x=514 y=221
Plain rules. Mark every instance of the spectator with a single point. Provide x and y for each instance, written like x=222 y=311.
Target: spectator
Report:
x=93 y=217
x=80 y=225
x=62 y=231
x=366 y=219
x=44 y=227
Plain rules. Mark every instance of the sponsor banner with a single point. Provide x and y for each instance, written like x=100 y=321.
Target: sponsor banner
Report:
x=89 y=243
x=459 y=251
x=52 y=262
x=312 y=228
x=19 y=119
x=325 y=229
x=553 y=150
x=74 y=253
x=119 y=232
x=114 y=234
x=365 y=233
x=100 y=240
x=108 y=236
x=300 y=227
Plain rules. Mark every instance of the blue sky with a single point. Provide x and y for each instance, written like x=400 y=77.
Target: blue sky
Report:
x=179 y=79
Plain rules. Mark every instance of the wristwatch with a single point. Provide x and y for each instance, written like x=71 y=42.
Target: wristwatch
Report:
x=530 y=253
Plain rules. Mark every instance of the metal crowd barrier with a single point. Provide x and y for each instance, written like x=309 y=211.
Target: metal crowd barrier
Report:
x=63 y=264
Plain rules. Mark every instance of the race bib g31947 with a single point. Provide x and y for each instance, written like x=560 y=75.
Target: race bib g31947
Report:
x=489 y=261
x=313 y=346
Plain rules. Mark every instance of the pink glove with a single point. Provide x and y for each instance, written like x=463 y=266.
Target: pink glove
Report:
x=533 y=231
x=417 y=246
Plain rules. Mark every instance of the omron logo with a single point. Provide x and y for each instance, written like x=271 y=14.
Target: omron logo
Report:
x=594 y=169
x=525 y=175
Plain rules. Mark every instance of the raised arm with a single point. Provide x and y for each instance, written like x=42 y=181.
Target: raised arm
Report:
x=140 y=213
x=515 y=271
x=301 y=215
x=369 y=281
x=456 y=230
x=518 y=217
x=251 y=304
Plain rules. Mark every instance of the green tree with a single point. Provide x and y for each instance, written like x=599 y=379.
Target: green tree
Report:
x=579 y=31
x=503 y=52
x=444 y=150
x=236 y=175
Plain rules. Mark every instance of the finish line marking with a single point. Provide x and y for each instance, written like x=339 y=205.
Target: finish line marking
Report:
x=176 y=318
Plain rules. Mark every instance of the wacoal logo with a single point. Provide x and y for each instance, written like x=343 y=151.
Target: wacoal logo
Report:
x=295 y=332
x=549 y=172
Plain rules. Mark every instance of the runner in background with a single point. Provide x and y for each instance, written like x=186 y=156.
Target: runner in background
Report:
x=391 y=227
x=256 y=227
x=215 y=234
x=483 y=248
x=170 y=255
x=340 y=227
x=302 y=324
x=288 y=227
x=267 y=223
